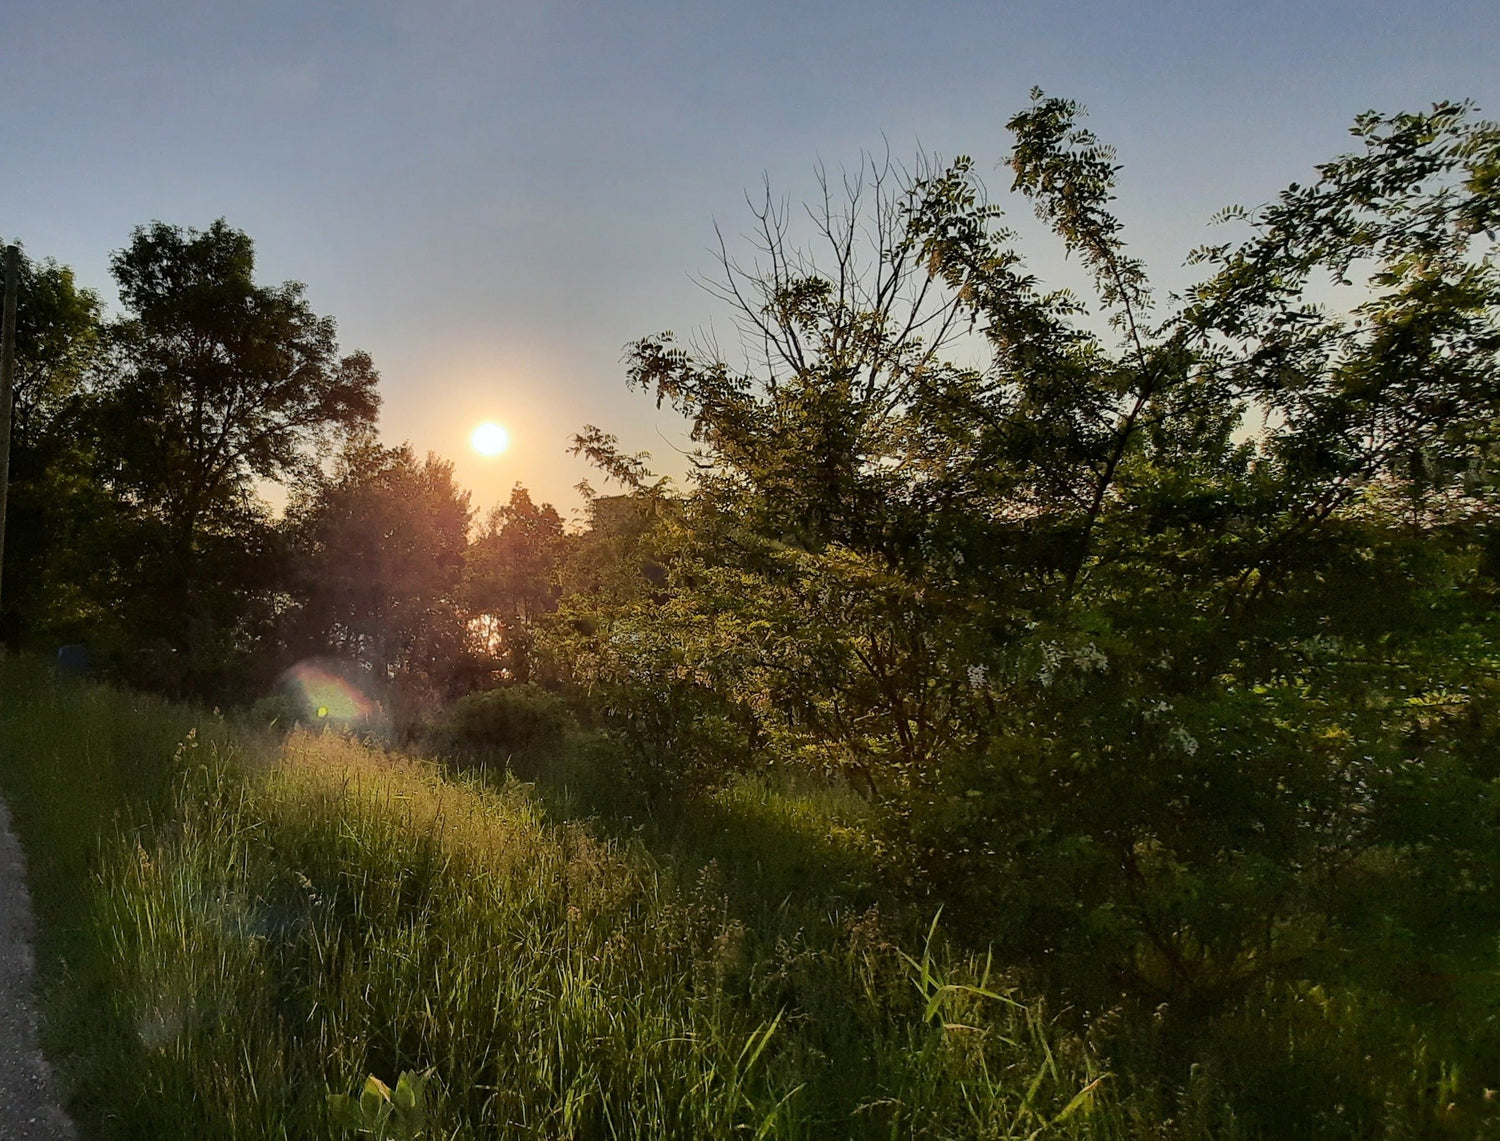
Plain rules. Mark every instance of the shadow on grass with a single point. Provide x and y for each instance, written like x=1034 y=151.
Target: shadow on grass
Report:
x=779 y=841
x=80 y=763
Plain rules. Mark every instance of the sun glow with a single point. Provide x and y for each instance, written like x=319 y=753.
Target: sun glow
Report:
x=489 y=439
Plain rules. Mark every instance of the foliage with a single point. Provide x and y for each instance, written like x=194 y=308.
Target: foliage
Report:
x=1158 y=632
x=1148 y=690
x=378 y=554
x=310 y=915
x=235 y=380
x=502 y=722
x=511 y=578
x=620 y=560
x=382 y=1112
x=58 y=335
x=52 y=515
x=340 y=913
x=144 y=440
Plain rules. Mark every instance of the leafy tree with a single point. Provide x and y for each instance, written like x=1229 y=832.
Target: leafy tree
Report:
x=1131 y=624
x=639 y=652
x=511 y=577
x=617 y=564
x=58 y=339
x=378 y=555
x=54 y=509
x=216 y=382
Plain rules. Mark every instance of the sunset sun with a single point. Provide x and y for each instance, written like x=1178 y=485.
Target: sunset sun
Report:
x=490 y=439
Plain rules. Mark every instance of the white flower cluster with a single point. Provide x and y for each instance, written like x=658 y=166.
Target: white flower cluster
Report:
x=1089 y=658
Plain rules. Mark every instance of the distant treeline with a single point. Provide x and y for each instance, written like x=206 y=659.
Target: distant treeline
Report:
x=137 y=534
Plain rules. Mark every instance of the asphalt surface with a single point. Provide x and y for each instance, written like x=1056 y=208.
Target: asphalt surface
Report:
x=28 y=1109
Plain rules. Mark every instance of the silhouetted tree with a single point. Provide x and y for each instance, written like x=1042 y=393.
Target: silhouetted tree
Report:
x=216 y=382
x=378 y=556
x=58 y=514
x=511 y=578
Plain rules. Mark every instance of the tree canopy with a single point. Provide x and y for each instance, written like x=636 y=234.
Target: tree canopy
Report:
x=1133 y=626
x=379 y=556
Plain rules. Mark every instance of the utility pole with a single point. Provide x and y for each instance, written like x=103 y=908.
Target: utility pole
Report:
x=7 y=367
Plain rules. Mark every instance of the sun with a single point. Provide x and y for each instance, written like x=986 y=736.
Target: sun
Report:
x=489 y=439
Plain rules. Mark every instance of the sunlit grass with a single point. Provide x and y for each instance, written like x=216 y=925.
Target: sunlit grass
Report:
x=80 y=762
x=235 y=926
x=297 y=917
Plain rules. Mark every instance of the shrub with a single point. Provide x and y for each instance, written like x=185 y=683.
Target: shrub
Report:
x=677 y=738
x=279 y=710
x=502 y=722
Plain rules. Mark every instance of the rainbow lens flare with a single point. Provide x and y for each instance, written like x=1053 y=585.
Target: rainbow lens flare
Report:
x=327 y=698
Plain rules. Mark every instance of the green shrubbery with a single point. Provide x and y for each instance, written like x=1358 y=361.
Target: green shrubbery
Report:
x=498 y=724
x=1163 y=645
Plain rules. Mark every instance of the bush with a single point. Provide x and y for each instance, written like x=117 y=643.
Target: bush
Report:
x=500 y=723
x=677 y=738
x=279 y=710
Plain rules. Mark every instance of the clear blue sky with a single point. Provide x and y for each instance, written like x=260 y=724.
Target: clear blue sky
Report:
x=492 y=198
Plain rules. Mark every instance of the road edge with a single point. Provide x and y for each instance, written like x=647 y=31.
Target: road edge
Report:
x=29 y=1110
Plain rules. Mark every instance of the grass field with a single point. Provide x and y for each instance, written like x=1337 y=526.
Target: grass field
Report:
x=236 y=926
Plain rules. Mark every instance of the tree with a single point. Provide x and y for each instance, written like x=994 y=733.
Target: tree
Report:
x=52 y=557
x=511 y=577
x=833 y=355
x=378 y=555
x=58 y=339
x=1124 y=623
x=217 y=382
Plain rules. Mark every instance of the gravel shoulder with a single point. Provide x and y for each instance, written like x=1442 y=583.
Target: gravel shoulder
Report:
x=28 y=1109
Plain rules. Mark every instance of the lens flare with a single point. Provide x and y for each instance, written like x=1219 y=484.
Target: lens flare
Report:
x=326 y=697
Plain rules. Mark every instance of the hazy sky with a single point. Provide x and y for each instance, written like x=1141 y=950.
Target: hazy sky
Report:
x=493 y=198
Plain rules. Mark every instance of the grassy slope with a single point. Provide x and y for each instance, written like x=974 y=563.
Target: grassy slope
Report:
x=247 y=927
x=78 y=763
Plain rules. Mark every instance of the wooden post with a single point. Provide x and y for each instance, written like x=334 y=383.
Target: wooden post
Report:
x=7 y=397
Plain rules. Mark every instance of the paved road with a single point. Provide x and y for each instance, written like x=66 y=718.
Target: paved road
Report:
x=27 y=1109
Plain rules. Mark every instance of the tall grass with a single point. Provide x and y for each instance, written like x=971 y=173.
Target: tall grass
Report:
x=234 y=927
x=272 y=925
x=350 y=912
x=80 y=763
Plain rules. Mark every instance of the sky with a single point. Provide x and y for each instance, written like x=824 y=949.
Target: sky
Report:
x=493 y=199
